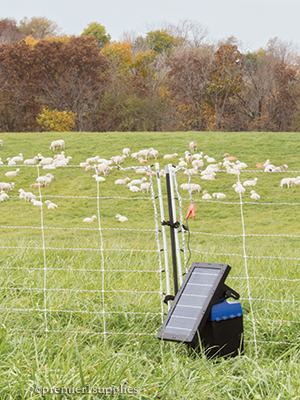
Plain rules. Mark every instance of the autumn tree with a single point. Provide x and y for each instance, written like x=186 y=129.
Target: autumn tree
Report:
x=99 y=32
x=38 y=27
x=225 y=80
x=187 y=83
x=9 y=32
x=62 y=75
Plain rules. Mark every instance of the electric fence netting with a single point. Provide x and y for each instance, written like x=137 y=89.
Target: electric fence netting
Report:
x=106 y=278
x=110 y=278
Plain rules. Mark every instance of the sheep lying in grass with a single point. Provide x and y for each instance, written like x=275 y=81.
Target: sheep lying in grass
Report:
x=50 y=205
x=121 y=218
x=3 y=196
x=90 y=220
x=122 y=181
x=252 y=182
x=219 y=195
x=13 y=173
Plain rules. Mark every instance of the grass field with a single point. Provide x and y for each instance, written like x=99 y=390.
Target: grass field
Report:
x=65 y=283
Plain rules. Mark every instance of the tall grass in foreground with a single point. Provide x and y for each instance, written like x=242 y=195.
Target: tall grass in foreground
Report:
x=73 y=316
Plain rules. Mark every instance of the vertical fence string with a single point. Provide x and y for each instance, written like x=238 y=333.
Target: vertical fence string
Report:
x=44 y=255
x=102 y=257
x=246 y=269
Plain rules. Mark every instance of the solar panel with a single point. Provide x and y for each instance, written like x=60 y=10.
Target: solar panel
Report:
x=202 y=287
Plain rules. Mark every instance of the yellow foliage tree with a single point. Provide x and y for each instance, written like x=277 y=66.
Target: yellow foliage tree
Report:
x=31 y=41
x=56 y=121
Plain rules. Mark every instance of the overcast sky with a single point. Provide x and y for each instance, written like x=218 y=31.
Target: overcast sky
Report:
x=253 y=22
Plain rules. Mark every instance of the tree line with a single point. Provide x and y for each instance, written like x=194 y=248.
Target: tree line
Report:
x=167 y=80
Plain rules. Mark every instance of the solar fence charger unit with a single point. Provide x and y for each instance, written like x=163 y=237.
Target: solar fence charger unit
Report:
x=201 y=316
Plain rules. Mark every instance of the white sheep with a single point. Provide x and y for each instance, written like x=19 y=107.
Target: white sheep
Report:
x=103 y=169
x=252 y=182
x=254 y=195
x=286 y=182
x=198 y=156
x=1 y=162
x=36 y=202
x=63 y=162
x=90 y=220
x=145 y=186
x=182 y=163
x=122 y=181
x=238 y=187
x=6 y=187
x=50 y=205
x=98 y=178
x=121 y=218
x=11 y=163
x=18 y=159
x=46 y=161
x=210 y=159
x=3 y=196
x=219 y=195
x=153 y=153
x=197 y=164
x=141 y=171
x=1 y=143
x=188 y=157
x=170 y=156
x=193 y=187
x=13 y=173
x=57 y=144
x=45 y=179
x=92 y=160
x=126 y=152
x=206 y=195
x=143 y=153
x=191 y=171
x=137 y=181
x=31 y=160
x=118 y=159
x=193 y=146
x=134 y=189
x=240 y=165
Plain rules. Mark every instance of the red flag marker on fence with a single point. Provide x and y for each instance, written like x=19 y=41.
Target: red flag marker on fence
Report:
x=191 y=210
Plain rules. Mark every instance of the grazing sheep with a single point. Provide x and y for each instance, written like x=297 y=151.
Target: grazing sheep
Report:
x=126 y=152
x=118 y=159
x=219 y=195
x=50 y=205
x=6 y=187
x=13 y=173
x=45 y=179
x=122 y=181
x=121 y=218
x=254 y=195
x=90 y=220
x=26 y=195
x=286 y=182
x=143 y=153
x=194 y=187
x=251 y=182
x=103 y=169
x=153 y=153
x=193 y=146
x=57 y=144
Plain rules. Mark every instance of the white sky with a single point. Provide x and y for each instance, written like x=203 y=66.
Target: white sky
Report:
x=253 y=22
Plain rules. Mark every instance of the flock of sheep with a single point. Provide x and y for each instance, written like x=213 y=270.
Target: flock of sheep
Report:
x=192 y=162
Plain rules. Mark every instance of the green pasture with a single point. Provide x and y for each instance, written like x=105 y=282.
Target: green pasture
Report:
x=81 y=306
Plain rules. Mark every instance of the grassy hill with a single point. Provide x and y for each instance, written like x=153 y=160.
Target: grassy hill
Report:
x=82 y=305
